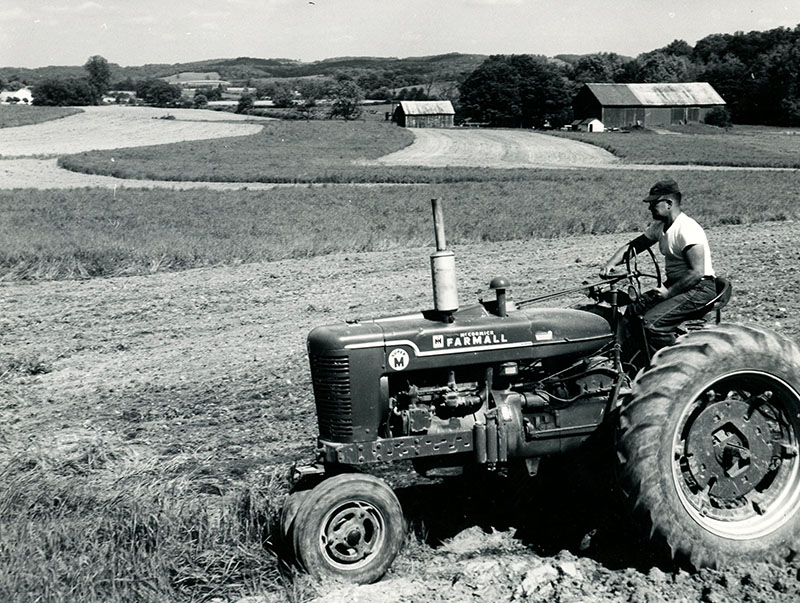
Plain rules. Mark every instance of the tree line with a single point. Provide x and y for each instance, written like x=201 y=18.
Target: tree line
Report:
x=757 y=73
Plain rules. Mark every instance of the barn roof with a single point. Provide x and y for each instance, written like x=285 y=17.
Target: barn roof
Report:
x=427 y=107
x=653 y=95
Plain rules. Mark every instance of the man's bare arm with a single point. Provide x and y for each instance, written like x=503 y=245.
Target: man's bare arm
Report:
x=640 y=243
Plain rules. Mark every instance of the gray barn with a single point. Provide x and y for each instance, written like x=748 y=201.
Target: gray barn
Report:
x=424 y=114
x=646 y=105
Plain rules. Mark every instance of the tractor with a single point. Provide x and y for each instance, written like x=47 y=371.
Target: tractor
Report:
x=705 y=431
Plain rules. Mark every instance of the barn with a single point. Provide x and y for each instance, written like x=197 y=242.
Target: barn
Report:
x=646 y=105
x=424 y=114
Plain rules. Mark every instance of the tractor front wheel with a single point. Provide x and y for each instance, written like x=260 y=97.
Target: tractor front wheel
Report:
x=350 y=527
x=708 y=446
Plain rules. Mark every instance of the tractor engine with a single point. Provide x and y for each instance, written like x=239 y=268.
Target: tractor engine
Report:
x=478 y=383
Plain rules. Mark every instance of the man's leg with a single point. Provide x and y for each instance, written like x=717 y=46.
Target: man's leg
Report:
x=661 y=320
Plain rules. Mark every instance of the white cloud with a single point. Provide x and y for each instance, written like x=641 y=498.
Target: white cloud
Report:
x=13 y=14
x=210 y=15
x=83 y=7
x=496 y=2
x=143 y=20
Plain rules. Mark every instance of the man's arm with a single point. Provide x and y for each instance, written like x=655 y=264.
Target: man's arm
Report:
x=640 y=243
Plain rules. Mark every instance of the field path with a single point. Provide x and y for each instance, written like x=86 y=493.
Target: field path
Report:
x=118 y=126
x=496 y=149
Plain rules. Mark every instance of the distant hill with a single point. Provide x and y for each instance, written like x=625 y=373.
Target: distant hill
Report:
x=239 y=70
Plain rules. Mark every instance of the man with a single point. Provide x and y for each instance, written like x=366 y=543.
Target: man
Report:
x=689 y=283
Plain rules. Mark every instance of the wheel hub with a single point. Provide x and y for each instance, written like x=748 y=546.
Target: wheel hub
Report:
x=729 y=448
x=352 y=532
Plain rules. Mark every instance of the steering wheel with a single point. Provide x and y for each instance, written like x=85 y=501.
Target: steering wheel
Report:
x=634 y=274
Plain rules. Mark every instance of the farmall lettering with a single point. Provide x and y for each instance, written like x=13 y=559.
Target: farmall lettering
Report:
x=469 y=339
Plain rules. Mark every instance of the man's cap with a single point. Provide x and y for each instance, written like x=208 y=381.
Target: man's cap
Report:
x=662 y=188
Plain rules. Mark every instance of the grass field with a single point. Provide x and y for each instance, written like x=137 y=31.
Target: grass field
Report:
x=284 y=151
x=746 y=146
x=24 y=115
x=95 y=233
x=324 y=151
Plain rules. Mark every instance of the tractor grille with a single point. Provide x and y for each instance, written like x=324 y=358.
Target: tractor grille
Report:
x=331 y=377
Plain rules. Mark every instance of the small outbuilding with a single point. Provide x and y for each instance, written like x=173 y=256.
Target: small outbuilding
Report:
x=590 y=124
x=646 y=105
x=424 y=114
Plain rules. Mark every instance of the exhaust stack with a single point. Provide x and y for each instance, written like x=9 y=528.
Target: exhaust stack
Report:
x=443 y=267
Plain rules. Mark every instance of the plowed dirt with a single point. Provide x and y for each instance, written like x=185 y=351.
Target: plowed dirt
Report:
x=211 y=362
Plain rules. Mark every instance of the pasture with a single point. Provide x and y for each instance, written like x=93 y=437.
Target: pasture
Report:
x=153 y=368
x=741 y=146
x=86 y=233
x=335 y=152
x=23 y=115
x=108 y=127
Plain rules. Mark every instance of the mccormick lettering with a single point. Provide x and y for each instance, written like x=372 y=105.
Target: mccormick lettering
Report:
x=471 y=338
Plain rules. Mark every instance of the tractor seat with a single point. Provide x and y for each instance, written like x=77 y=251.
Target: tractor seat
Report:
x=719 y=301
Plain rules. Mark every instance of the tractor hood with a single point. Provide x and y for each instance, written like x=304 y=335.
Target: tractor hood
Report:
x=475 y=336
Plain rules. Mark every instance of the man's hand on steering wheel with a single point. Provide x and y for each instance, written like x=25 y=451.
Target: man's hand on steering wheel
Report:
x=608 y=271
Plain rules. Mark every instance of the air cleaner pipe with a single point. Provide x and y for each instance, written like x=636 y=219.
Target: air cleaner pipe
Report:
x=443 y=267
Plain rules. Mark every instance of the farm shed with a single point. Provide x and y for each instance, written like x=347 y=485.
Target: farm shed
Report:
x=646 y=105
x=424 y=114
x=590 y=124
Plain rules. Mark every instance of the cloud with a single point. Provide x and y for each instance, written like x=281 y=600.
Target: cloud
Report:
x=83 y=7
x=209 y=15
x=496 y=2
x=143 y=20
x=13 y=14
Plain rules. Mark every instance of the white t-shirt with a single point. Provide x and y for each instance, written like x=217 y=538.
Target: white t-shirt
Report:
x=683 y=232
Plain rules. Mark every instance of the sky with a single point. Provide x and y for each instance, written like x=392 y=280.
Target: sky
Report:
x=37 y=33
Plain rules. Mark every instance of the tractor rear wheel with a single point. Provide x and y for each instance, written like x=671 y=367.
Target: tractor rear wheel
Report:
x=708 y=446
x=350 y=527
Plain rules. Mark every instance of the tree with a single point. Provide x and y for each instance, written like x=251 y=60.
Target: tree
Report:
x=245 y=104
x=200 y=101
x=282 y=94
x=347 y=96
x=63 y=92
x=678 y=48
x=718 y=116
x=158 y=92
x=591 y=68
x=211 y=94
x=517 y=91
x=99 y=76
x=659 y=67
x=311 y=91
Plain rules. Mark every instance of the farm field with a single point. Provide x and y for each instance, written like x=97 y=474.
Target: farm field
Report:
x=172 y=399
x=740 y=146
x=156 y=391
x=495 y=149
x=118 y=126
x=23 y=115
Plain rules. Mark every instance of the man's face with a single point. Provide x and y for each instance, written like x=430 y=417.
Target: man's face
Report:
x=660 y=208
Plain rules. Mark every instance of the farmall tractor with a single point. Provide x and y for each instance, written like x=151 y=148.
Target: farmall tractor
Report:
x=705 y=431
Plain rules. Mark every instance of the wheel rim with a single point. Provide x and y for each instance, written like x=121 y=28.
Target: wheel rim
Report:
x=352 y=534
x=735 y=460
